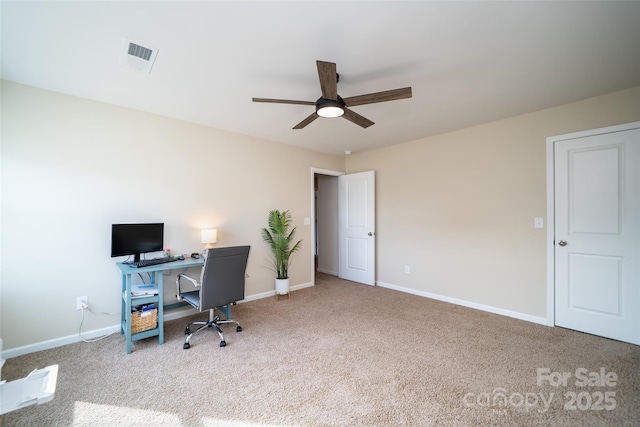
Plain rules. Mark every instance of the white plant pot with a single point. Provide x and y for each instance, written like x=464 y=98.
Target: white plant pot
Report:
x=282 y=286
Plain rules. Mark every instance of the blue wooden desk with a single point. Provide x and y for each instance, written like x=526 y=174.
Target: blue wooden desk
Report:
x=125 y=318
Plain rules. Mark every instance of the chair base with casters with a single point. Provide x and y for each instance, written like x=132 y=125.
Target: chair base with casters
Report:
x=221 y=284
x=213 y=322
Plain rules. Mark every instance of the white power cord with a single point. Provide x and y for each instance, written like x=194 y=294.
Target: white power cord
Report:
x=86 y=307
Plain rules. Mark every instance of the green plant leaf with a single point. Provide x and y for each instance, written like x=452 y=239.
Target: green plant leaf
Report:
x=280 y=241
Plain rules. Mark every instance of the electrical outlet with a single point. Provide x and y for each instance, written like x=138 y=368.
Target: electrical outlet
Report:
x=407 y=269
x=82 y=302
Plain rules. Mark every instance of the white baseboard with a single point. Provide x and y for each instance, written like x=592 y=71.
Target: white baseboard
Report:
x=57 y=342
x=482 y=307
x=301 y=286
x=96 y=333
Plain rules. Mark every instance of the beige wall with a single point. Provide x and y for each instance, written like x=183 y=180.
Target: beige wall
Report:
x=459 y=208
x=72 y=167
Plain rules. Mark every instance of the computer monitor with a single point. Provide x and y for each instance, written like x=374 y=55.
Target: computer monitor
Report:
x=136 y=239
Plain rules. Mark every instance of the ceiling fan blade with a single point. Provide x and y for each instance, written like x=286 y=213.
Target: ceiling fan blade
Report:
x=306 y=121
x=282 y=101
x=357 y=118
x=328 y=79
x=387 y=95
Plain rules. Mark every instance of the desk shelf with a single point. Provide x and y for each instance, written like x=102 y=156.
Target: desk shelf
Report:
x=141 y=335
x=144 y=300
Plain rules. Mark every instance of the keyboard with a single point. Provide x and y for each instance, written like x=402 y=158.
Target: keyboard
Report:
x=154 y=261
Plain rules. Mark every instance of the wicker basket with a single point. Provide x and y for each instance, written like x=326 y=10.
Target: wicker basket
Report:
x=141 y=323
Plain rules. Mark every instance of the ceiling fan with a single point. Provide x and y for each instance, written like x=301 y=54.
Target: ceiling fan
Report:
x=330 y=104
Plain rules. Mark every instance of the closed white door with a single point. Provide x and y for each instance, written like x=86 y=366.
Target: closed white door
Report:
x=597 y=234
x=356 y=228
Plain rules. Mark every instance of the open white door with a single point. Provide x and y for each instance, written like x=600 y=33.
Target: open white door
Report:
x=597 y=233
x=356 y=229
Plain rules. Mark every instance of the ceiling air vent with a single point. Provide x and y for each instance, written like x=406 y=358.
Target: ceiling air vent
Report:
x=137 y=56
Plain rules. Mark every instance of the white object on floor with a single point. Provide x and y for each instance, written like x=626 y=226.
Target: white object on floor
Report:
x=36 y=388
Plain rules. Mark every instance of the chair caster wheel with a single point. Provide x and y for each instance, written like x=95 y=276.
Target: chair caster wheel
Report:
x=187 y=331
x=239 y=329
x=223 y=343
x=186 y=346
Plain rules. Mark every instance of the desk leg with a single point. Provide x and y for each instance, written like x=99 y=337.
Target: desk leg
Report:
x=160 y=308
x=226 y=309
x=127 y=313
x=124 y=305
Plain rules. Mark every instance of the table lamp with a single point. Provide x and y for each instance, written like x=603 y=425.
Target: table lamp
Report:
x=208 y=237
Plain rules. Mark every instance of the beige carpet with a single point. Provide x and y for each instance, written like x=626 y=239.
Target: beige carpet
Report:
x=341 y=354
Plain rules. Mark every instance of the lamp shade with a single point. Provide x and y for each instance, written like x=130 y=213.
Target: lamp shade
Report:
x=209 y=235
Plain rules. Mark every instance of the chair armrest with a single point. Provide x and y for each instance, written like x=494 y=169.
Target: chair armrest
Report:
x=191 y=279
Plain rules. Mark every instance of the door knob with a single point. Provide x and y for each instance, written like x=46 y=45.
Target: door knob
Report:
x=562 y=243
x=369 y=234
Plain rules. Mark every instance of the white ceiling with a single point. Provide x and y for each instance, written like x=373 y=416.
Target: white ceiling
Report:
x=467 y=62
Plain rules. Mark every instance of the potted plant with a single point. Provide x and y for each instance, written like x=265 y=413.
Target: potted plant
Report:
x=280 y=240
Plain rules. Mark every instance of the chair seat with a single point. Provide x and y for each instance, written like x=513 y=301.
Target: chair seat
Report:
x=192 y=298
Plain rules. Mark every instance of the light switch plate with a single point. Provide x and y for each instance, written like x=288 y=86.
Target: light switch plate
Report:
x=538 y=222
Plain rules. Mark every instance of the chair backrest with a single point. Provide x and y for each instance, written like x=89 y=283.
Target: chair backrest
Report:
x=223 y=276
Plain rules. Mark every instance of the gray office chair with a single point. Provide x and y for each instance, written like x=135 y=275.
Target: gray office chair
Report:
x=221 y=285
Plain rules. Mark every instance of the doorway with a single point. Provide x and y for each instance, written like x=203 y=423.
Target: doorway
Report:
x=326 y=224
x=324 y=230
x=343 y=232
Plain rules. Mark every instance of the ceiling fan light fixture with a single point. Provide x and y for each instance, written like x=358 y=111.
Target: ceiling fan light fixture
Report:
x=330 y=108
x=331 y=105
